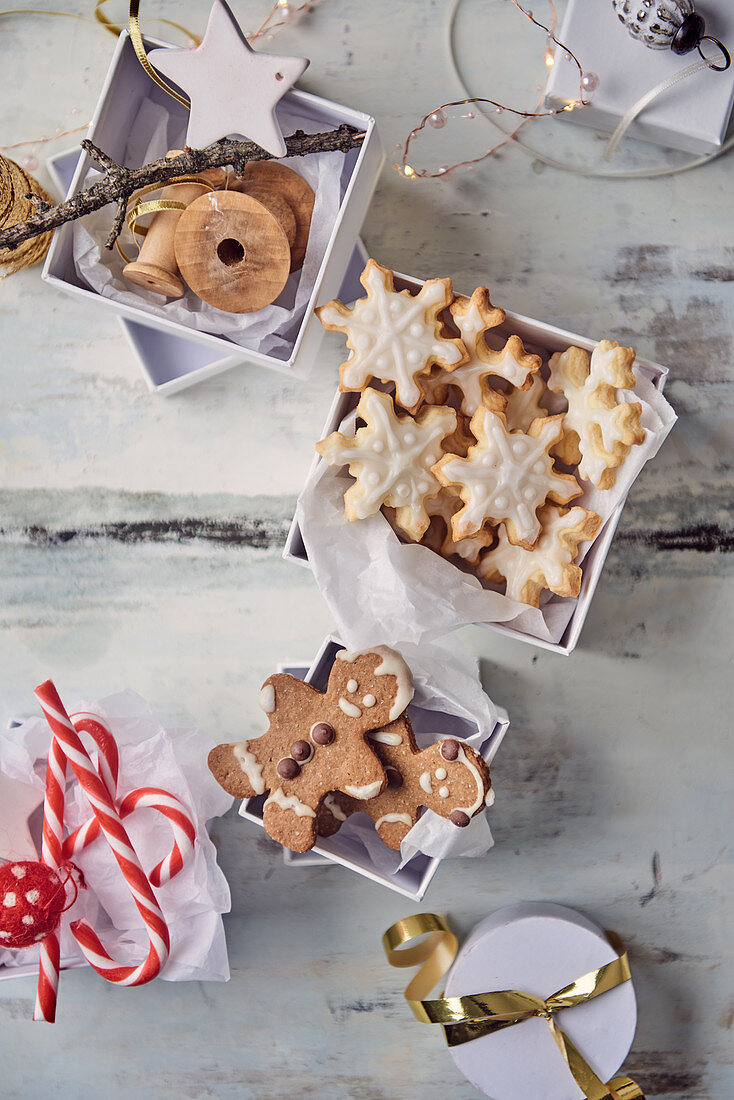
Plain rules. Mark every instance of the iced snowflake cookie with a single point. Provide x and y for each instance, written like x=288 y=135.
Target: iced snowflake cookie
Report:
x=506 y=477
x=391 y=459
x=522 y=407
x=317 y=743
x=550 y=563
x=393 y=335
x=449 y=778
x=473 y=318
x=599 y=430
x=439 y=536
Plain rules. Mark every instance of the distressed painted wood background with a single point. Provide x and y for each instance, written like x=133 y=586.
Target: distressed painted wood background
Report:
x=140 y=545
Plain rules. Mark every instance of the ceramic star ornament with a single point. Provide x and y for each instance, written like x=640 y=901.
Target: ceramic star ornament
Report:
x=232 y=89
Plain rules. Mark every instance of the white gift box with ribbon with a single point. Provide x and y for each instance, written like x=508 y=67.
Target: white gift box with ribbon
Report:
x=692 y=116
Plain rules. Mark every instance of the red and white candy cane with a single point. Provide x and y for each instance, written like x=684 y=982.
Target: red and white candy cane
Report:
x=66 y=747
x=152 y=798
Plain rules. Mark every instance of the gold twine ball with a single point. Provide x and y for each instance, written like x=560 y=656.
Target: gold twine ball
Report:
x=15 y=185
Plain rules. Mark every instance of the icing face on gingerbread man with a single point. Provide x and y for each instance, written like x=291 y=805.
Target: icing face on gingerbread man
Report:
x=449 y=778
x=316 y=742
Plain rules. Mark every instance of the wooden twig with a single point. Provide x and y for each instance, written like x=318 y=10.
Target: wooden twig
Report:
x=119 y=184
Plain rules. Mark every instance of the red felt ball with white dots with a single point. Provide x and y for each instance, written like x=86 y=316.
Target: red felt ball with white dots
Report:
x=32 y=899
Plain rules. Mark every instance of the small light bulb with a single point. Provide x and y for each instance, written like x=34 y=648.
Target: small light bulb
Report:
x=408 y=171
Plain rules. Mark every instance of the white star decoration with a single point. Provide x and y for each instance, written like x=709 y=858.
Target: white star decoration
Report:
x=232 y=89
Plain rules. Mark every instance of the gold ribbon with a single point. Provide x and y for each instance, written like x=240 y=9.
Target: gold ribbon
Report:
x=469 y=1017
x=136 y=38
x=137 y=209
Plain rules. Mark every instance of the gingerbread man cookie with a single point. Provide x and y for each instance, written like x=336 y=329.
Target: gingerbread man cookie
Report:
x=394 y=336
x=316 y=743
x=599 y=429
x=391 y=459
x=506 y=477
x=550 y=563
x=450 y=778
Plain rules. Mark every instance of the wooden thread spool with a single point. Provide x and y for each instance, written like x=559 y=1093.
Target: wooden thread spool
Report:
x=155 y=268
x=232 y=251
x=293 y=188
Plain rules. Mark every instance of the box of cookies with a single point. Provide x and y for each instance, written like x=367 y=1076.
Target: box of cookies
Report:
x=378 y=761
x=300 y=215
x=473 y=466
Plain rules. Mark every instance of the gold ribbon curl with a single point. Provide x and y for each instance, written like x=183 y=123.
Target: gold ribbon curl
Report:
x=137 y=209
x=469 y=1017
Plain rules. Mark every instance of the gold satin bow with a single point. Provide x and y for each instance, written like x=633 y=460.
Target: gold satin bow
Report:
x=469 y=1017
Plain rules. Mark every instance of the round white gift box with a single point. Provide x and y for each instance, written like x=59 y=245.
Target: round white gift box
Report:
x=539 y=948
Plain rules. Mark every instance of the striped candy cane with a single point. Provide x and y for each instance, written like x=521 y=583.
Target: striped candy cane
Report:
x=52 y=856
x=152 y=798
x=67 y=746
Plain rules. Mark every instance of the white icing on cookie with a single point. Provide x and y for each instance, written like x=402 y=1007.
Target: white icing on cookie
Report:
x=369 y=701
x=605 y=426
x=404 y=818
x=446 y=505
x=394 y=665
x=391 y=459
x=550 y=563
x=443 y=792
x=350 y=709
x=290 y=802
x=352 y=686
x=440 y=774
x=267 y=698
x=334 y=808
x=425 y=782
x=385 y=737
x=250 y=766
x=370 y=790
x=393 y=335
x=506 y=476
x=471 y=810
x=489 y=800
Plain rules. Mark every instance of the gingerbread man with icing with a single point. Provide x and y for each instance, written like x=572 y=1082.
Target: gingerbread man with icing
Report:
x=450 y=778
x=317 y=742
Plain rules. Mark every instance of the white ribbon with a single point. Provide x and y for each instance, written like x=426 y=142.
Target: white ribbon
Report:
x=647 y=99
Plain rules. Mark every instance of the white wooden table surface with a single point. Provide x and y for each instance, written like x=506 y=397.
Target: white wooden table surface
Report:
x=130 y=556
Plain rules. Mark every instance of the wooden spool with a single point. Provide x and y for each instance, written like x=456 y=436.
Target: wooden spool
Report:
x=294 y=189
x=155 y=268
x=275 y=203
x=232 y=252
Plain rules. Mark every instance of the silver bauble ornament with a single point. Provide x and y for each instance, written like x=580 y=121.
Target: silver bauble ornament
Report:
x=655 y=22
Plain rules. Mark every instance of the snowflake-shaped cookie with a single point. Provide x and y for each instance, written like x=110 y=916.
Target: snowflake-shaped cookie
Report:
x=392 y=459
x=506 y=477
x=550 y=563
x=474 y=317
x=598 y=428
x=439 y=536
x=394 y=335
x=523 y=406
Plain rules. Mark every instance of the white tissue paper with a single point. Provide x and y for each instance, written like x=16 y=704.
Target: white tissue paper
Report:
x=272 y=330
x=380 y=589
x=194 y=900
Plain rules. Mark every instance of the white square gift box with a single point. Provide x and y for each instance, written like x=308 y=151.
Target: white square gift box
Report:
x=434 y=712
x=171 y=363
x=134 y=121
x=379 y=587
x=691 y=116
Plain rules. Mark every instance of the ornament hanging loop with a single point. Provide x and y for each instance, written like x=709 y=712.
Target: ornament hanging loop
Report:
x=725 y=55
